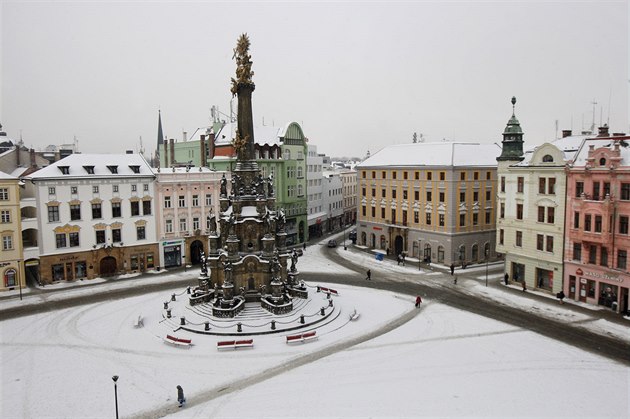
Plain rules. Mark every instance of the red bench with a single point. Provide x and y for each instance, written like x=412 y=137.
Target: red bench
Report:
x=304 y=337
x=330 y=290
x=172 y=340
x=235 y=344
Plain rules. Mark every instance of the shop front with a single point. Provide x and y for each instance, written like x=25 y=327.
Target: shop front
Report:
x=172 y=252
x=64 y=267
x=598 y=287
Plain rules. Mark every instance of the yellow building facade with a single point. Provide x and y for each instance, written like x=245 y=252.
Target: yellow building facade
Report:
x=432 y=201
x=11 y=259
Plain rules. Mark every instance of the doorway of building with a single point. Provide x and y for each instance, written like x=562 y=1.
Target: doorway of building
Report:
x=108 y=266
x=398 y=245
x=196 y=248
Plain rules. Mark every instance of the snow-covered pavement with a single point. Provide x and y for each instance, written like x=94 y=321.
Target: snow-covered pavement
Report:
x=441 y=363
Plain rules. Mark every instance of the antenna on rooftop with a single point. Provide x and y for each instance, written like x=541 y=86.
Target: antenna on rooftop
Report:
x=593 y=124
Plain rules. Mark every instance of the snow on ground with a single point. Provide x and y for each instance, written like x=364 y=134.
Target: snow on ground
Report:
x=444 y=362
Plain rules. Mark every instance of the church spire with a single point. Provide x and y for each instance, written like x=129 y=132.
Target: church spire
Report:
x=512 y=139
x=160 y=139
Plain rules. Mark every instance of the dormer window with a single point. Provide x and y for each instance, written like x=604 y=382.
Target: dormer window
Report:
x=89 y=169
x=602 y=162
x=135 y=169
x=113 y=169
x=65 y=170
x=547 y=158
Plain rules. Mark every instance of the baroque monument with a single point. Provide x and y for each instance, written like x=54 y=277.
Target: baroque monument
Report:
x=247 y=260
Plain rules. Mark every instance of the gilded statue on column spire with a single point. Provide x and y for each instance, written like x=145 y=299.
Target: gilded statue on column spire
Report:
x=244 y=71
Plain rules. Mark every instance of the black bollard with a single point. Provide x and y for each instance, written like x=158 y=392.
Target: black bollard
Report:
x=207 y=326
x=330 y=303
x=168 y=313
x=322 y=311
x=239 y=327
x=182 y=320
x=318 y=289
x=165 y=305
x=302 y=318
x=328 y=296
x=273 y=325
x=188 y=290
x=172 y=297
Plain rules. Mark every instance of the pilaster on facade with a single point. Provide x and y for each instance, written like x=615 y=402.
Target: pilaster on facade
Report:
x=11 y=251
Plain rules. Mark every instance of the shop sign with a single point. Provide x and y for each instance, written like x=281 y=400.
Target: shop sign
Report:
x=171 y=243
x=583 y=281
x=603 y=276
x=3 y=264
x=32 y=263
x=65 y=258
x=377 y=228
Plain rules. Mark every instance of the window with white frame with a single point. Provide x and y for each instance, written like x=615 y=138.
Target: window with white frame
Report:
x=167 y=202
x=195 y=200
x=195 y=223
x=51 y=190
x=94 y=189
x=5 y=216
x=168 y=226
x=182 y=201
x=208 y=199
x=182 y=225
x=4 y=194
x=7 y=242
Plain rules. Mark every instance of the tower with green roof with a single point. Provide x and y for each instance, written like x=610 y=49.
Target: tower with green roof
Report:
x=512 y=139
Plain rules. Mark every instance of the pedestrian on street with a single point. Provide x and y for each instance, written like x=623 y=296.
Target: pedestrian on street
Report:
x=369 y=275
x=398 y=259
x=452 y=269
x=524 y=286
x=418 y=301
x=180 y=396
x=561 y=296
x=304 y=246
x=506 y=278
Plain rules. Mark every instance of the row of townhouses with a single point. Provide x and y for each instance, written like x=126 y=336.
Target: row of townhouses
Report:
x=557 y=213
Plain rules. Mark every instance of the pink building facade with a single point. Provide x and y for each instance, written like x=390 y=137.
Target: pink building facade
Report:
x=596 y=269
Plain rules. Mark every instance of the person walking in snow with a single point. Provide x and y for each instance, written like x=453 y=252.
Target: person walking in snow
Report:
x=524 y=285
x=506 y=277
x=369 y=275
x=418 y=301
x=180 y=396
x=452 y=269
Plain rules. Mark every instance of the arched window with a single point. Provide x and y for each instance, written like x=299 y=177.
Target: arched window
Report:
x=475 y=253
x=486 y=250
x=602 y=162
x=547 y=158
x=383 y=242
x=9 y=278
x=299 y=172
x=440 y=254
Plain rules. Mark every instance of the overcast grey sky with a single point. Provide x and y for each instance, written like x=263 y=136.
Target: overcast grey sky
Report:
x=356 y=75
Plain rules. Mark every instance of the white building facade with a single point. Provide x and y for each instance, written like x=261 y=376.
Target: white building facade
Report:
x=96 y=216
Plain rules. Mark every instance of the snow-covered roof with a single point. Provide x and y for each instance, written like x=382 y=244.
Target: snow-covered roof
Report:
x=568 y=146
x=582 y=154
x=96 y=165
x=269 y=135
x=181 y=170
x=434 y=154
x=6 y=176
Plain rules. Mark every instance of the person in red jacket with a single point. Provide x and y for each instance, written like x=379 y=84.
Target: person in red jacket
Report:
x=418 y=301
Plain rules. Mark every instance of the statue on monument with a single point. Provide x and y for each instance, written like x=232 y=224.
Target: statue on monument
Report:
x=244 y=71
x=282 y=219
x=270 y=186
x=223 y=186
x=227 y=270
x=212 y=222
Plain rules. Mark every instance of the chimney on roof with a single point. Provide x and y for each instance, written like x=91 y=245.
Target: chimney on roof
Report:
x=566 y=133
x=165 y=153
x=603 y=131
x=17 y=155
x=31 y=153
x=202 y=146
x=211 y=138
x=185 y=135
x=172 y=151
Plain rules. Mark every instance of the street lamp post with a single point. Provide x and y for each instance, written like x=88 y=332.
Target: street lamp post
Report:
x=486 y=267
x=115 y=378
x=344 y=238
